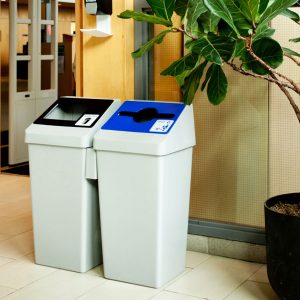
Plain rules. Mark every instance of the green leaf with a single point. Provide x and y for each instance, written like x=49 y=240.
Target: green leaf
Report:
x=291 y=14
x=195 y=9
x=147 y=46
x=276 y=8
x=217 y=86
x=191 y=83
x=162 y=8
x=226 y=30
x=239 y=48
x=263 y=31
x=250 y=9
x=290 y=52
x=207 y=77
x=181 y=7
x=185 y=63
x=203 y=46
x=296 y=40
x=139 y=16
x=219 y=8
x=181 y=77
x=209 y=22
x=214 y=48
x=263 y=4
x=238 y=15
x=266 y=49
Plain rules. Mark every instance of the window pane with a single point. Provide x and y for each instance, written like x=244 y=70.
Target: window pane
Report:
x=22 y=7
x=46 y=74
x=46 y=13
x=22 y=39
x=46 y=39
x=22 y=76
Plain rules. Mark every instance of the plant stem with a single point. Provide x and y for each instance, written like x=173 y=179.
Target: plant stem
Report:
x=289 y=96
x=175 y=29
x=293 y=59
x=271 y=71
x=240 y=70
x=273 y=74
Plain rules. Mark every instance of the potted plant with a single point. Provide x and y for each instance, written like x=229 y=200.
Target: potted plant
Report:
x=235 y=33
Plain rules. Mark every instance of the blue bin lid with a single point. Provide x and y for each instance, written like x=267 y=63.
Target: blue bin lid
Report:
x=145 y=117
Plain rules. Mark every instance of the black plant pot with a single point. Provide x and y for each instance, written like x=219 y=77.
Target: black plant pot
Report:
x=283 y=248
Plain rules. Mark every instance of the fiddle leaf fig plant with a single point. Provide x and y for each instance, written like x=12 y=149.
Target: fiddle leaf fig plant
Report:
x=234 y=33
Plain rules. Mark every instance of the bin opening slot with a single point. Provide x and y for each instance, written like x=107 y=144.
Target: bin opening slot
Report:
x=146 y=114
x=74 y=112
x=63 y=111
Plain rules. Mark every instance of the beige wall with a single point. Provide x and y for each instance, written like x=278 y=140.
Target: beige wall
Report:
x=105 y=64
x=229 y=179
x=284 y=126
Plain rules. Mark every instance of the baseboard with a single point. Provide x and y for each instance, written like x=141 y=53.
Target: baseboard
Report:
x=227 y=248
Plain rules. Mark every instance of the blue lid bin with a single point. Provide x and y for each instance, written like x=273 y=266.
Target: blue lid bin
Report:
x=64 y=193
x=144 y=157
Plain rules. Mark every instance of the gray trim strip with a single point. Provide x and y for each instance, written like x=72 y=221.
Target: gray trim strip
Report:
x=142 y=66
x=227 y=231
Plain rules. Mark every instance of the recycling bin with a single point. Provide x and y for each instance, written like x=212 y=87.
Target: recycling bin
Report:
x=64 y=188
x=144 y=158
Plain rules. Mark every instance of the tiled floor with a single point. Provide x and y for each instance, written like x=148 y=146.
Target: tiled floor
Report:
x=206 y=277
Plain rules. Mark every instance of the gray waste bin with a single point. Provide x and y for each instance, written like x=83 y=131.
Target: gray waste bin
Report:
x=144 y=157
x=63 y=186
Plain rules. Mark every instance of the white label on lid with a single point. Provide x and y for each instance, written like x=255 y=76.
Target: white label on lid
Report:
x=161 y=126
x=86 y=120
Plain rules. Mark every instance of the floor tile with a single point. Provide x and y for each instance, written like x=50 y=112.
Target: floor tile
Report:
x=4 y=291
x=114 y=290
x=215 y=278
x=251 y=290
x=13 y=187
x=97 y=271
x=261 y=275
x=20 y=273
x=4 y=237
x=60 y=285
x=17 y=246
x=193 y=259
x=16 y=208
x=5 y=260
x=173 y=296
x=16 y=225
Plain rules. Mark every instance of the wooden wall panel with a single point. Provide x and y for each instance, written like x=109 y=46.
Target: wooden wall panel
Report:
x=105 y=64
x=171 y=49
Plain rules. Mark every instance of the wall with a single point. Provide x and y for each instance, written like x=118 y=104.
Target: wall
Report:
x=229 y=179
x=171 y=49
x=284 y=126
x=105 y=64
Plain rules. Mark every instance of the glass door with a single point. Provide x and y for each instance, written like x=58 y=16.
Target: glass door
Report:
x=32 y=68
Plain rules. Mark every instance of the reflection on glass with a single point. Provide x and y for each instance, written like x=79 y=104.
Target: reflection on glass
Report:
x=22 y=8
x=46 y=74
x=46 y=38
x=46 y=10
x=22 y=76
x=22 y=39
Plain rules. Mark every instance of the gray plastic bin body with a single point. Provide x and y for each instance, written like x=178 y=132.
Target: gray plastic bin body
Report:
x=144 y=157
x=64 y=191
